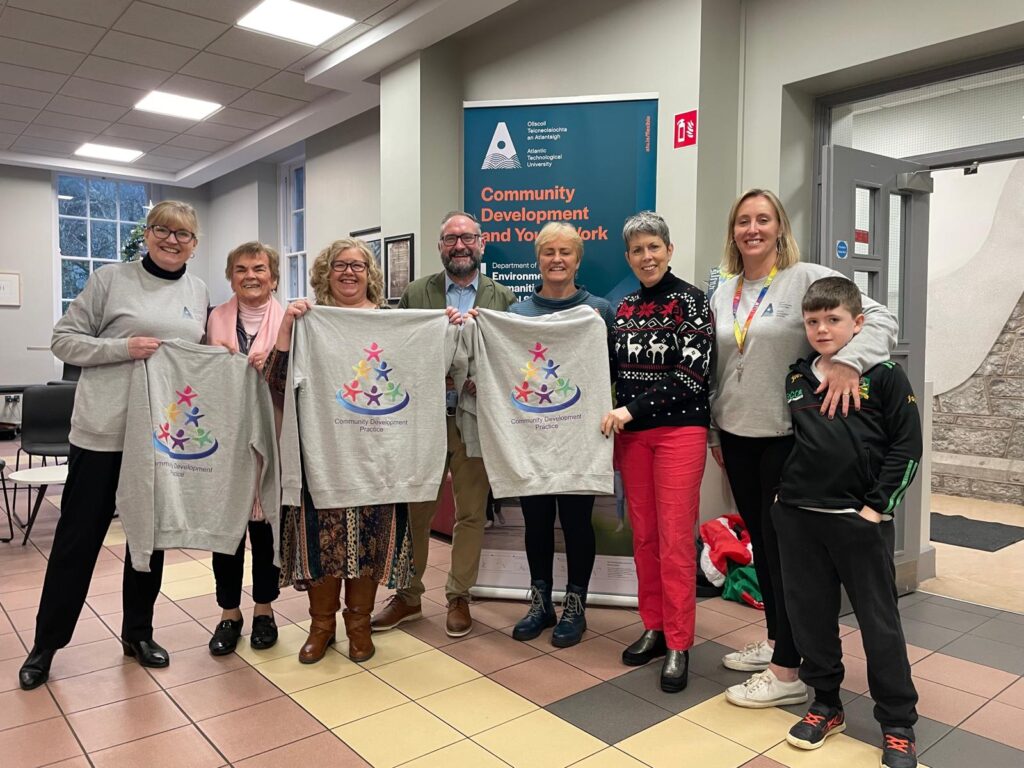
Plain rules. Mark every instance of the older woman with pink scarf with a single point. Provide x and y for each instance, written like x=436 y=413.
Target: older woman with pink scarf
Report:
x=248 y=323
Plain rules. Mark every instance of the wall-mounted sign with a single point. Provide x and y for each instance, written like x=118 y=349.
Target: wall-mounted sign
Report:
x=686 y=129
x=842 y=249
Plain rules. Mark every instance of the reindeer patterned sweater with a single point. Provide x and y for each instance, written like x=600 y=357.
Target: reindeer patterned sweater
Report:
x=663 y=339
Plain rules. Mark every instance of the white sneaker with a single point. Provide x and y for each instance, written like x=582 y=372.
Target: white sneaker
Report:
x=488 y=523
x=764 y=690
x=754 y=657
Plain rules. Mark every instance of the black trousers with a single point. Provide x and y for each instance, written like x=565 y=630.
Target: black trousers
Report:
x=86 y=509
x=820 y=551
x=754 y=467
x=228 y=569
x=574 y=514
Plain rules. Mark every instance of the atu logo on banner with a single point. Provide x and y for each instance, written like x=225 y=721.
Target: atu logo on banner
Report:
x=686 y=129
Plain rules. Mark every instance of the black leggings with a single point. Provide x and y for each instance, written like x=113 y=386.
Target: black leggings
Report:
x=86 y=509
x=574 y=513
x=754 y=467
x=227 y=569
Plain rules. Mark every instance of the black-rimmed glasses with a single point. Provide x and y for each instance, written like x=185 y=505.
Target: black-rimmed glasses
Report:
x=183 y=236
x=467 y=238
x=341 y=266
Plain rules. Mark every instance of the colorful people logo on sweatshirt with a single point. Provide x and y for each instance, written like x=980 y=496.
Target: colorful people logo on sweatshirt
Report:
x=180 y=435
x=372 y=392
x=544 y=387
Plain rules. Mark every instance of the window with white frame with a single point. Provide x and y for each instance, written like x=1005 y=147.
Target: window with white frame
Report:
x=293 y=227
x=95 y=218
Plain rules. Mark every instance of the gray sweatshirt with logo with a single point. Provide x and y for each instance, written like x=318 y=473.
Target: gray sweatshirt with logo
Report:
x=198 y=418
x=364 y=410
x=542 y=387
x=120 y=301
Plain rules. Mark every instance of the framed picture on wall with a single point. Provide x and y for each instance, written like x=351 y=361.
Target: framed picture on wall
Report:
x=398 y=258
x=10 y=289
x=371 y=237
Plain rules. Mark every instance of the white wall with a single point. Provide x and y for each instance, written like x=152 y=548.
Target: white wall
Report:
x=342 y=181
x=791 y=44
x=28 y=221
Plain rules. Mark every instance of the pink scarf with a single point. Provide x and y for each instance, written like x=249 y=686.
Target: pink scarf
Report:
x=221 y=329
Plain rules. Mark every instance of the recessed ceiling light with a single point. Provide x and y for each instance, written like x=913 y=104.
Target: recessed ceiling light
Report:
x=294 y=21
x=104 y=152
x=177 y=106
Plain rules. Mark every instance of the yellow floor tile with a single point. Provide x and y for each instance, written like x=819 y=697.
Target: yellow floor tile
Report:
x=397 y=735
x=838 y=752
x=758 y=729
x=477 y=705
x=609 y=758
x=462 y=754
x=425 y=673
x=348 y=699
x=114 y=537
x=666 y=743
x=184 y=571
x=289 y=639
x=290 y=675
x=194 y=587
x=394 y=646
x=541 y=740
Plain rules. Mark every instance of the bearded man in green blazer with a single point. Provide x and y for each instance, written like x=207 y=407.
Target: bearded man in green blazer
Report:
x=463 y=287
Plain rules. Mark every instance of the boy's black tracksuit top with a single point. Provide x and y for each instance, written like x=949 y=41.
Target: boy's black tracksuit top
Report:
x=868 y=458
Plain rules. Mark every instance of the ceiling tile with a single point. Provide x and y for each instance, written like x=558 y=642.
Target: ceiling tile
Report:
x=122 y=73
x=268 y=104
x=221 y=132
x=49 y=30
x=39 y=56
x=23 y=97
x=241 y=119
x=47 y=145
x=172 y=26
x=197 y=142
x=294 y=86
x=157 y=163
x=160 y=122
x=71 y=122
x=226 y=70
x=143 y=50
x=180 y=153
x=184 y=85
x=242 y=44
x=21 y=114
x=12 y=126
x=388 y=10
x=6 y=139
x=49 y=132
x=304 y=63
x=36 y=79
x=86 y=108
x=108 y=93
x=354 y=9
x=139 y=133
x=102 y=13
x=228 y=11
x=345 y=36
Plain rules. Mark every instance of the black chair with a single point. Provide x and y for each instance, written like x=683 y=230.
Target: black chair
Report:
x=45 y=424
x=7 y=504
x=70 y=372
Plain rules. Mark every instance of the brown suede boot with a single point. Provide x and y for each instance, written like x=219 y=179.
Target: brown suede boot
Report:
x=324 y=602
x=359 y=596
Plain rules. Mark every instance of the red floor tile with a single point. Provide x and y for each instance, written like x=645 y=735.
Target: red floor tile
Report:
x=126 y=721
x=998 y=722
x=88 y=657
x=947 y=705
x=544 y=679
x=23 y=707
x=963 y=675
x=218 y=695
x=195 y=664
x=184 y=746
x=246 y=733
x=1014 y=695
x=600 y=657
x=323 y=749
x=11 y=646
x=491 y=652
x=42 y=743
x=106 y=686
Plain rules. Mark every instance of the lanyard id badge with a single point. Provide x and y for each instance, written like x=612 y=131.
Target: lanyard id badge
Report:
x=741 y=333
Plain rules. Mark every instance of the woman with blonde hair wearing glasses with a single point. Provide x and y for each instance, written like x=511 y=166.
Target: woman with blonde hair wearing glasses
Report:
x=122 y=315
x=358 y=546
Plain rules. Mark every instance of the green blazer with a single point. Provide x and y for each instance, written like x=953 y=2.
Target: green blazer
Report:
x=428 y=293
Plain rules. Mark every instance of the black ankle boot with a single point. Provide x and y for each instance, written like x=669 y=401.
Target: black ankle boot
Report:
x=573 y=623
x=650 y=646
x=541 y=614
x=147 y=652
x=36 y=669
x=675 y=671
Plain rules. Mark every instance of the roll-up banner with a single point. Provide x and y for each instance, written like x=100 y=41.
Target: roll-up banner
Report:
x=590 y=162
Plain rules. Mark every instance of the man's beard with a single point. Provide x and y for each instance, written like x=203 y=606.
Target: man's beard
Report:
x=461 y=269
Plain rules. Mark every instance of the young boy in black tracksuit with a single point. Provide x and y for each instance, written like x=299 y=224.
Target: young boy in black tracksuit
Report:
x=840 y=487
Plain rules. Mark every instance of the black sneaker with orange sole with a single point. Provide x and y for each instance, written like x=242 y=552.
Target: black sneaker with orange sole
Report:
x=899 y=748
x=820 y=722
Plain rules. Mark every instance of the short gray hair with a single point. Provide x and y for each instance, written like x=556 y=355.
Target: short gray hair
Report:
x=645 y=223
x=452 y=214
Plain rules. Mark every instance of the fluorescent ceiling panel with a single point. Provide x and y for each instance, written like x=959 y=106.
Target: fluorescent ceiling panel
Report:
x=294 y=21
x=104 y=152
x=177 y=106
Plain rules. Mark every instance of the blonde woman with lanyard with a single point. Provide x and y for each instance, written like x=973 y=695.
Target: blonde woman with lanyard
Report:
x=758 y=333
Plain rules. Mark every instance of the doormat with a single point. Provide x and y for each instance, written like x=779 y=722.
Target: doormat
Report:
x=961 y=531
